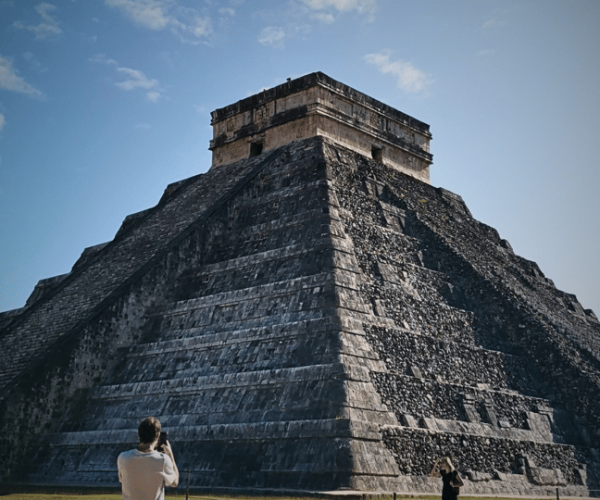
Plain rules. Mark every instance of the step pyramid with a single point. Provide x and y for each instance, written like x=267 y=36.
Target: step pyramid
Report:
x=309 y=314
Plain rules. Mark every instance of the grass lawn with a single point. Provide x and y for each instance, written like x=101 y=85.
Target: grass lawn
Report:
x=24 y=492
x=181 y=496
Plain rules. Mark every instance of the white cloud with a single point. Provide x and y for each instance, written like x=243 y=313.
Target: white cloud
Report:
x=408 y=77
x=134 y=78
x=10 y=80
x=273 y=36
x=227 y=11
x=185 y=22
x=149 y=13
x=102 y=59
x=342 y=5
x=48 y=27
x=34 y=64
x=493 y=22
x=324 y=17
x=367 y=7
x=499 y=17
x=137 y=79
x=153 y=96
x=2 y=122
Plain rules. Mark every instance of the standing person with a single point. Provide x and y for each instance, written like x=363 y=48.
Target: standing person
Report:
x=144 y=471
x=450 y=478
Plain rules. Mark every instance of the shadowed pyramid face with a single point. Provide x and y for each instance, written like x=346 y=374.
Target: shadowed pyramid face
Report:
x=306 y=318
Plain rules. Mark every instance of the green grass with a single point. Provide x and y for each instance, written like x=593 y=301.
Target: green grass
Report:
x=171 y=496
x=103 y=495
x=26 y=492
x=62 y=496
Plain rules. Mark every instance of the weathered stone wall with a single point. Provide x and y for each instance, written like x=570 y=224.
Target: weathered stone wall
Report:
x=318 y=320
x=237 y=351
x=469 y=334
x=477 y=453
x=316 y=105
x=44 y=322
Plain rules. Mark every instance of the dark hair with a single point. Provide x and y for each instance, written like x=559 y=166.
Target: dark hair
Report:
x=149 y=430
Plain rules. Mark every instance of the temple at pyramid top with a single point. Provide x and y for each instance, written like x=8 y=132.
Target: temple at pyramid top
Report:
x=317 y=105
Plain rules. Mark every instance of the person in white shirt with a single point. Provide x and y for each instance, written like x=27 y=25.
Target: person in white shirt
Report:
x=144 y=471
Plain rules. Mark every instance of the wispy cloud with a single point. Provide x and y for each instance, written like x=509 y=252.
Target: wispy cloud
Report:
x=137 y=80
x=2 y=122
x=10 y=80
x=324 y=17
x=408 y=78
x=47 y=28
x=134 y=78
x=187 y=23
x=366 y=7
x=492 y=22
x=102 y=59
x=227 y=11
x=272 y=36
x=34 y=64
x=499 y=17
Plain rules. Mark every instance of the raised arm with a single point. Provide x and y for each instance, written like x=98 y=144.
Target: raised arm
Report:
x=173 y=479
x=457 y=480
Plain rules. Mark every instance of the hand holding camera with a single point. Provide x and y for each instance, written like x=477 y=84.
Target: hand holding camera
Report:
x=163 y=443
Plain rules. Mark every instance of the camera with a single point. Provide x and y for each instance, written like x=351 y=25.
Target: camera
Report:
x=162 y=440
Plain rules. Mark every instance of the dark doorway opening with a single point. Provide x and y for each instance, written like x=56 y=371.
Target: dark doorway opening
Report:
x=377 y=154
x=256 y=148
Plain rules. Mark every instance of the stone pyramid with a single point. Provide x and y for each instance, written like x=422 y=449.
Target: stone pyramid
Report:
x=309 y=314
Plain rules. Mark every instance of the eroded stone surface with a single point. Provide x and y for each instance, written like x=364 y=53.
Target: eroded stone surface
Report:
x=307 y=318
x=317 y=105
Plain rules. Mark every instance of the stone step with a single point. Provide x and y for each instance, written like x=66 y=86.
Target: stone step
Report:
x=287 y=198
x=224 y=462
x=280 y=346
x=203 y=341
x=284 y=404
x=48 y=319
x=272 y=289
x=276 y=377
x=460 y=363
x=327 y=428
x=277 y=302
x=464 y=402
x=259 y=268
x=335 y=390
x=487 y=430
x=500 y=454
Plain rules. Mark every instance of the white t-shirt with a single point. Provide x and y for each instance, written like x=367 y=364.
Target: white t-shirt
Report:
x=142 y=474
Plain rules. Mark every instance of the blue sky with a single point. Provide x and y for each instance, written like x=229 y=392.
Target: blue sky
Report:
x=105 y=102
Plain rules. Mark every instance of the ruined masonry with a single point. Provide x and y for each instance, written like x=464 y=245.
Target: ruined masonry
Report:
x=309 y=314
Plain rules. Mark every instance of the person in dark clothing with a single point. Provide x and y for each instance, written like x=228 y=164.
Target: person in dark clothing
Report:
x=450 y=479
